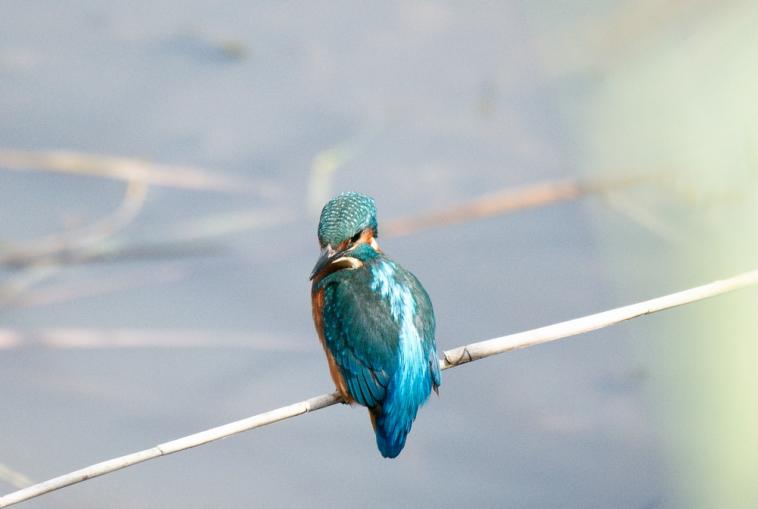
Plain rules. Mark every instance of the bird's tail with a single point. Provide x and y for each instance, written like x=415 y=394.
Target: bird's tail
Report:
x=390 y=431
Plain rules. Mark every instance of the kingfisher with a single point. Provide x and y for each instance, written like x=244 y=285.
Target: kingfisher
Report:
x=375 y=322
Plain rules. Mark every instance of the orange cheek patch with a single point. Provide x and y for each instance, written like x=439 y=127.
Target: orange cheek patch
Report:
x=368 y=237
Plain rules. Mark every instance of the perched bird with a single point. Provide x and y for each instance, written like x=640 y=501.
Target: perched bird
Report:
x=375 y=322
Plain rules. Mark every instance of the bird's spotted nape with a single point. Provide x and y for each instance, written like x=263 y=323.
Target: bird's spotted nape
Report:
x=375 y=322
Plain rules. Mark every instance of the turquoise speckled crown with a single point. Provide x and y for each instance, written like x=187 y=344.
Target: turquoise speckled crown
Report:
x=344 y=216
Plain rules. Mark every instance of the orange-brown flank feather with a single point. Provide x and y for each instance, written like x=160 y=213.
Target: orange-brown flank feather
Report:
x=317 y=300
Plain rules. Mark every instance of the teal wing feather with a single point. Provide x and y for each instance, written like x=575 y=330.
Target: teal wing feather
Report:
x=360 y=334
x=425 y=324
x=418 y=369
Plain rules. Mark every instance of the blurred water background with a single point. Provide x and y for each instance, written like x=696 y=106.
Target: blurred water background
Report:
x=162 y=165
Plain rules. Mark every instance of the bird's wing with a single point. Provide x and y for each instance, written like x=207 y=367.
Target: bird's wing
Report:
x=361 y=336
x=425 y=325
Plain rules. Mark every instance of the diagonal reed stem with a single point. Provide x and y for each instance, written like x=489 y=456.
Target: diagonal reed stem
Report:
x=450 y=359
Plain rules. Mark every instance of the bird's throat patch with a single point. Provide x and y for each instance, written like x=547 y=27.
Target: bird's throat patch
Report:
x=345 y=262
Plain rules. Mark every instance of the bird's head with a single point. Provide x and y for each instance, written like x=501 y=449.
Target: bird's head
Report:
x=347 y=232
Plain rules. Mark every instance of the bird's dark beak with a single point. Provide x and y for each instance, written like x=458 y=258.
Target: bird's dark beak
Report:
x=331 y=261
x=328 y=255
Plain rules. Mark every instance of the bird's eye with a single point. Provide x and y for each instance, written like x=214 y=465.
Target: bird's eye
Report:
x=355 y=237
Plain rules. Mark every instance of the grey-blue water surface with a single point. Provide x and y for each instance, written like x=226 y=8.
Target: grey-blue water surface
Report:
x=444 y=101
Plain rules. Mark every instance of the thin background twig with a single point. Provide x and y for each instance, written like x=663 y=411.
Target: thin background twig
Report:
x=130 y=169
x=58 y=244
x=510 y=199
